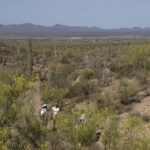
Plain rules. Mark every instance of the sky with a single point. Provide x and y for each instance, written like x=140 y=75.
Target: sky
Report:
x=100 y=13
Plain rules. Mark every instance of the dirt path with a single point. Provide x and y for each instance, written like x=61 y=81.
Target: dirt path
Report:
x=143 y=107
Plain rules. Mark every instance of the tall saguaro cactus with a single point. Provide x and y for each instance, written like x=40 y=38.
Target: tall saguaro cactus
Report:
x=3 y=62
x=30 y=57
x=1 y=43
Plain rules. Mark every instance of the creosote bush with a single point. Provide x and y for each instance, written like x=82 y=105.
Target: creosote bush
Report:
x=127 y=89
x=87 y=74
x=3 y=138
x=142 y=75
x=53 y=94
x=82 y=88
x=58 y=76
x=73 y=76
x=6 y=76
x=108 y=98
x=70 y=56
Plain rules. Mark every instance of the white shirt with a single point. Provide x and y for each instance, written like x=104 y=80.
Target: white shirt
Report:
x=55 y=110
x=83 y=117
x=43 y=111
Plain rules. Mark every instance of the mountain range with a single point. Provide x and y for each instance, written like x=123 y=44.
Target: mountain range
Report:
x=58 y=30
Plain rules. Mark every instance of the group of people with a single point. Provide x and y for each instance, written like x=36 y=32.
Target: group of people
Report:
x=53 y=112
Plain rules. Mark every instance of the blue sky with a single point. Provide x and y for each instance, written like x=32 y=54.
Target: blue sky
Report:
x=101 y=13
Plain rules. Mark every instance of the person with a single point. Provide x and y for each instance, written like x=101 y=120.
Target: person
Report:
x=44 y=110
x=44 y=114
x=83 y=118
x=55 y=110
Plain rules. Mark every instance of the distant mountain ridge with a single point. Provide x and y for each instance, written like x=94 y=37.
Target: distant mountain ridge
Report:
x=28 y=29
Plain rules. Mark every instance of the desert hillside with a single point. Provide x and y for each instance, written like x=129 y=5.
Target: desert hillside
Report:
x=107 y=82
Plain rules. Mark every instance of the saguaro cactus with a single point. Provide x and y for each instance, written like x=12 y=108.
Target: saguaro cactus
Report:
x=30 y=57
x=1 y=43
x=3 y=62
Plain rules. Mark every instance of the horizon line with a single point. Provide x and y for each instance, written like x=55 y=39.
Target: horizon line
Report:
x=59 y=24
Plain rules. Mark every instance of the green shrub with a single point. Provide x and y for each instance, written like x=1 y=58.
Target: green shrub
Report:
x=58 y=76
x=66 y=56
x=142 y=75
x=87 y=74
x=21 y=83
x=6 y=77
x=133 y=127
x=108 y=98
x=73 y=76
x=111 y=136
x=53 y=94
x=3 y=138
x=31 y=131
x=69 y=56
x=134 y=122
x=127 y=89
x=132 y=59
x=83 y=88
x=8 y=99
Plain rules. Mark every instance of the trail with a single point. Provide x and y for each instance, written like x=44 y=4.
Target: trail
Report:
x=143 y=107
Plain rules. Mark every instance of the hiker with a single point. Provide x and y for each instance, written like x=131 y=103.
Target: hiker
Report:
x=44 y=110
x=55 y=110
x=44 y=114
x=83 y=118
